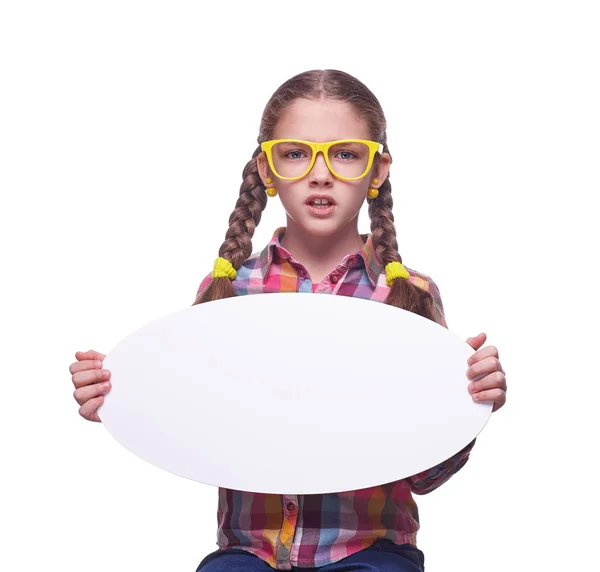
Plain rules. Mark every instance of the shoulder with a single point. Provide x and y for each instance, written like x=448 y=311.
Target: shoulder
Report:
x=248 y=275
x=427 y=283
x=419 y=279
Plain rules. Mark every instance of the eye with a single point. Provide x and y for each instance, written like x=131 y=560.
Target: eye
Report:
x=295 y=154
x=347 y=155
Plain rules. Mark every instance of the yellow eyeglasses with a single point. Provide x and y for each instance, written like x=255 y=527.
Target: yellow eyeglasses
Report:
x=347 y=159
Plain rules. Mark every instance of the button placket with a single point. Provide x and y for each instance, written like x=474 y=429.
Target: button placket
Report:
x=335 y=276
x=291 y=514
x=290 y=503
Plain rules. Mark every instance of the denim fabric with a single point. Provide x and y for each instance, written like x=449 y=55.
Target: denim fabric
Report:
x=382 y=556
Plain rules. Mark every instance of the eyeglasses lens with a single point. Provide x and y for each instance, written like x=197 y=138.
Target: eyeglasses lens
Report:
x=346 y=159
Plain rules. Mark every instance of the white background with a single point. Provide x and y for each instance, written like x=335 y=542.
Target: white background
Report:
x=115 y=201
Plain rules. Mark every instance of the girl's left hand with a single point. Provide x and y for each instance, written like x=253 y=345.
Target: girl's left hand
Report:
x=484 y=362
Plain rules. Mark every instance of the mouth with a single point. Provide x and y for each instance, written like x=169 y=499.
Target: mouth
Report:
x=320 y=205
x=320 y=201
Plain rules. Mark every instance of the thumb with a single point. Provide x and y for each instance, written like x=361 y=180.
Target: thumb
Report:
x=90 y=354
x=477 y=341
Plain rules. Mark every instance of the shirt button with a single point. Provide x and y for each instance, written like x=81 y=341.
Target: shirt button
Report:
x=334 y=279
x=291 y=506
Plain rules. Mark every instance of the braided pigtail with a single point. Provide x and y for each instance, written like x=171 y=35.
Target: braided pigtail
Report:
x=403 y=293
x=237 y=246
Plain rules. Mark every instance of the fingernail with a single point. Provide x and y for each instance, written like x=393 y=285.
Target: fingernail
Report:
x=97 y=364
x=105 y=372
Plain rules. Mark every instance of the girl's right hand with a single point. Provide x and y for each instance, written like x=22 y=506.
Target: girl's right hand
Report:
x=91 y=383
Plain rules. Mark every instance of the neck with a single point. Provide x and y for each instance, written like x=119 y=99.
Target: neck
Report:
x=321 y=254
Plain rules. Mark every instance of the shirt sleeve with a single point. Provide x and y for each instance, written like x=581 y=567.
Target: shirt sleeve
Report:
x=429 y=480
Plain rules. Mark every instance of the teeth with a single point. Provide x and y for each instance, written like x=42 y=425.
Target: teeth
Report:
x=321 y=202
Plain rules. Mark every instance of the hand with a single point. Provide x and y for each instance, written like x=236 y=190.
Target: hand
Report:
x=484 y=363
x=91 y=382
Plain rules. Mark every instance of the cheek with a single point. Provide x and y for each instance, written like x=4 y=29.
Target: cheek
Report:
x=286 y=198
x=359 y=195
x=357 y=206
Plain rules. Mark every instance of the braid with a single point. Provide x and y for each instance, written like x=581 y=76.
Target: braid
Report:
x=244 y=219
x=403 y=293
x=382 y=225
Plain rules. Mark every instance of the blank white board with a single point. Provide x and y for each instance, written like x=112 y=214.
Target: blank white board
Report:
x=292 y=393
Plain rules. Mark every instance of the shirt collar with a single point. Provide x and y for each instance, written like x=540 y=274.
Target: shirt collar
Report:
x=366 y=253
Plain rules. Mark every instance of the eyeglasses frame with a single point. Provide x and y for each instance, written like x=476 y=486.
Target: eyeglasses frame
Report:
x=374 y=147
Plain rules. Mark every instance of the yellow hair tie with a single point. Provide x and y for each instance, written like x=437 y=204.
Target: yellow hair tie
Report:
x=224 y=269
x=395 y=270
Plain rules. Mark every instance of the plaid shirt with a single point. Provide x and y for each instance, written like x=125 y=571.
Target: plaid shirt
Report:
x=309 y=531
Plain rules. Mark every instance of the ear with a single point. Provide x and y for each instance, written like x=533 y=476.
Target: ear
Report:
x=382 y=168
x=263 y=167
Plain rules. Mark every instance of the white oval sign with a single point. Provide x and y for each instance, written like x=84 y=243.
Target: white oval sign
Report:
x=292 y=393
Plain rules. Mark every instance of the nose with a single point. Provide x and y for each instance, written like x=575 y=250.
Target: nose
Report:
x=320 y=173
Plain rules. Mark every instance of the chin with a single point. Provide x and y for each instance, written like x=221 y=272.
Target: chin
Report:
x=321 y=228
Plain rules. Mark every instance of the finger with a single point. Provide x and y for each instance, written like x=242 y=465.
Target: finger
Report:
x=493 y=380
x=483 y=353
x=89 y=410
x=477 y=341
x=90 y=376
x=84 y=365
x=492 y=395
x=90 y=354
x=486 y=365
x=498 y=405
x=83 y=394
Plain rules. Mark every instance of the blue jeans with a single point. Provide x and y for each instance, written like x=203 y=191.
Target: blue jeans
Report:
x=382 y=556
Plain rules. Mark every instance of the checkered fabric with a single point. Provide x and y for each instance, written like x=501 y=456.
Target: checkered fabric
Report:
x=308 y=531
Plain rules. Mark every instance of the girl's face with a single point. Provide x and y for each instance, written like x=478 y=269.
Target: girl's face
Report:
x=322 y=121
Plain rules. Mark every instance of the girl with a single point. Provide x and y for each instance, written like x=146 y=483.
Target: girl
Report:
x=323 y=150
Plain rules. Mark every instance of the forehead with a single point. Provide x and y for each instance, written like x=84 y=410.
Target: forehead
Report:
x=322 y=120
